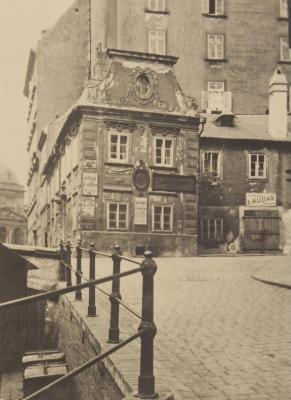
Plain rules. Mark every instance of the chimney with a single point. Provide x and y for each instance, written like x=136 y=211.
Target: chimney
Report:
x=278 y=118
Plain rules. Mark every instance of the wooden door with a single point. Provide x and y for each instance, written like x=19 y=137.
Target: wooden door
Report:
x=262 y=230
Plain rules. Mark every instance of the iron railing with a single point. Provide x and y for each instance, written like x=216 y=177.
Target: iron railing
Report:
x=146 y=330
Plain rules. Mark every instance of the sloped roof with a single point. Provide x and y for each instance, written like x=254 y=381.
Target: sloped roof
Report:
x=246 y=127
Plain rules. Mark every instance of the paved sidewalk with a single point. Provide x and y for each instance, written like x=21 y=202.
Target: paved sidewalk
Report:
x=221 y=334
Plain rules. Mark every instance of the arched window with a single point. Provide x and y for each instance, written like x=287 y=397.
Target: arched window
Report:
x=16 y=236
x=2 y=234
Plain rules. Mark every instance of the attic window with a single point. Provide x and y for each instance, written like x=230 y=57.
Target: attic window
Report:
x=225 y=119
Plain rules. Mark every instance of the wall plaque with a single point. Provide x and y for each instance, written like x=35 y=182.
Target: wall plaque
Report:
x=140 y=211
x=174 y=183
x=261 y=199
x=90 y=184
x=88 y=206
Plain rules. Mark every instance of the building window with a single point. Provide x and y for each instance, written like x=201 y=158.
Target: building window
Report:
x=162 y=218
x=213 y=7
x=157 y=42
x=285 y=52
x=3 y=234
x=215 y=99
x=118 y=147
x=283 y=8
x=157 y=5
x=211 y=163
x=257 y=166
x=215 y=46
x=211 y=229
x=117 y=216
x=163 y=152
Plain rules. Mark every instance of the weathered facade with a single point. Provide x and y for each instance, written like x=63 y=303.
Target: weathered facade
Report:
x=243 y=188
x=12 y=217
x=122 y=163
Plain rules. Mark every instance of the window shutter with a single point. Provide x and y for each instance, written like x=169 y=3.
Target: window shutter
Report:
x=227 y=101
x=161 y=42
x=205 y=6
x=152 y=4
x=152 y=42
x=204 y=101
x=162 y=5
x=220 y=7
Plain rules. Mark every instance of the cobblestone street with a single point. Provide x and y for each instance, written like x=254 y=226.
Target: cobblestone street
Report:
x=221 y=334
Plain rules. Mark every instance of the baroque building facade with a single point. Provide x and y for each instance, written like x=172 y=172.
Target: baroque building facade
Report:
x=220 y=67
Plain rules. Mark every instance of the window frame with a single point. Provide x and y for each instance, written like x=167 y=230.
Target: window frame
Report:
x=164 y=43
x=283 y=9
x=162 y=218
x=216 y=58
x=163 y=164
x=109 y=203
x=202 y=232
x=282 y=40
x=118 y=160
x=257 y=177
x=205 y=8
x=157 y=6
x=219 y=164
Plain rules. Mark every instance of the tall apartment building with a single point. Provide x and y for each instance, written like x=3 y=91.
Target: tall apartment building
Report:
x=227 y=51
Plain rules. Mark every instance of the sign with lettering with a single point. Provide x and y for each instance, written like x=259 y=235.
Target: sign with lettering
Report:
x=88 y=206
x=261 y=199
x=90 y=184
x=140 y=210
x=174 y=183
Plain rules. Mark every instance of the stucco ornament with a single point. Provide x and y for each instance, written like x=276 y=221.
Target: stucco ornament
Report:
x=142 y=86
x=141 y=176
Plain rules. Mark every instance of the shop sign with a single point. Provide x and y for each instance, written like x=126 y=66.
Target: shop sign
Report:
x=140 y=211
x=261 y=199
x=90 y=184
x=174 y=183
x=88 y=206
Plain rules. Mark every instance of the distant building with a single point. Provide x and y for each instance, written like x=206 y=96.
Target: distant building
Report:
x=12 y=216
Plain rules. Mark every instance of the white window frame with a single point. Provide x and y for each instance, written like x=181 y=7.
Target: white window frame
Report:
x=157 y=42
x=117 y=216
x=257 y=176
x=162 y=218
x=157 y=5
x=163 y=155
x=283 y=45
x=218 y=55
x=219 y=7
x=283 y=9
x=218 y=175
x=205 y=236
x=118 y=159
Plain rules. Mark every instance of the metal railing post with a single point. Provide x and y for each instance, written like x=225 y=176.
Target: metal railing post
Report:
x=62 y=269
x=92 y=305
x=78 y=293
x=68 y=262
x=146 y=379
x=113 y=336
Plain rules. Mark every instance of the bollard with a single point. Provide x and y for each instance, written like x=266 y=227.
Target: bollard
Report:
x=92 y=306
x=78 y=293
x=146 y=379
x=113 y=336
x=62 y=269
x=68 y=262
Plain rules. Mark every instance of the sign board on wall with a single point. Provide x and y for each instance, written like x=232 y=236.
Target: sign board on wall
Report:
x=88 y=206
x=140 y=211
x=174 y=183
x=261 y=199
x=90 y=184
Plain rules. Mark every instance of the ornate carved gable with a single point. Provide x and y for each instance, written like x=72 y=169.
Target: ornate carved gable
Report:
x=7 y=213
x=139 y=80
